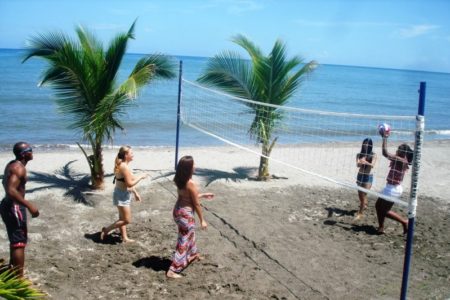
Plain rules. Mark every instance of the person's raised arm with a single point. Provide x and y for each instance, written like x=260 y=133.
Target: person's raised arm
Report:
x=13 y=192
x=193 y=192
x=129 y=179
x=385 y=151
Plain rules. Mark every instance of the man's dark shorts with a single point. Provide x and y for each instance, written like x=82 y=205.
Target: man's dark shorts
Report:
x=15 y=218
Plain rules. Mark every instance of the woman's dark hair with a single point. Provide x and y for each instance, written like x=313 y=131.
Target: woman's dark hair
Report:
x=185 y=169
x=405 y=151
x=366 y=150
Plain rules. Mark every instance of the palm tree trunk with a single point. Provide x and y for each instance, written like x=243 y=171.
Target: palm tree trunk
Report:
x=95 y=162
x=263 y=170
x=97 y=171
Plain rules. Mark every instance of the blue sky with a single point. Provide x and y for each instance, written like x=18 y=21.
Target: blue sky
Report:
x=389 y=34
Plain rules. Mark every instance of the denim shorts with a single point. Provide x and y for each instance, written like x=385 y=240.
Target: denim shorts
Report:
x=121 y=197
x=364 y=178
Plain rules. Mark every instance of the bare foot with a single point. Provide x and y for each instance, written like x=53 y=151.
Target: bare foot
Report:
x=195 y=257
x=358 y=217
x=380 y=231
x=103 y=234
x=127 y=240
x=173 y=275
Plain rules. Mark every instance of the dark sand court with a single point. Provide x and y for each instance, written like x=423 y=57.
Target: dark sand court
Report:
x=276 y=240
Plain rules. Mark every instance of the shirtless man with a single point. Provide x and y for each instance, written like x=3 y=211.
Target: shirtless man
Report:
x=13 y=207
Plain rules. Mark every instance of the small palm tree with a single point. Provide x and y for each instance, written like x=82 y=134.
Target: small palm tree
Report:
x=13 y=287
x=271 y=79
x=83 y=76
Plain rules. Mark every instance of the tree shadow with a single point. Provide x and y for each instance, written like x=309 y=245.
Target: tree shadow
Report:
x=153 y=262
x=75 y=184
x=163 y=175
x=111 y=239
x=239 y=173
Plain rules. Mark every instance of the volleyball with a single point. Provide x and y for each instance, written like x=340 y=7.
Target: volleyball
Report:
x=384 y=129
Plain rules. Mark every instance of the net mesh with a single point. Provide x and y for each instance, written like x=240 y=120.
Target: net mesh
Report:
x=318 y=143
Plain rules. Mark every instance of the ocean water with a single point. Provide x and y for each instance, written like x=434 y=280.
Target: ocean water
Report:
x=30 y=113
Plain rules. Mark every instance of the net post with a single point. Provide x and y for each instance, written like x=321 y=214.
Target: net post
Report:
x=420 y=126
x=180 y=74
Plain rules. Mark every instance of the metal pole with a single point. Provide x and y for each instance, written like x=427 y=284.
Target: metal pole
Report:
x=420 y=126
x=178 y=113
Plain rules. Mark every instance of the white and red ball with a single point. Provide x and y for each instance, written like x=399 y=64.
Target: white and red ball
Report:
x=384 y=129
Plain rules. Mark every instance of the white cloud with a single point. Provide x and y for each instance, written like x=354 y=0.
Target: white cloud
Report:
x=235 y=7
x=416 y=30
x=240 y=6
x=309 y=23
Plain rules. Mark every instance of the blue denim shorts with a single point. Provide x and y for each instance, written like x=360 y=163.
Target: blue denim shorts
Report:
x=121 y=197
x=364 y=178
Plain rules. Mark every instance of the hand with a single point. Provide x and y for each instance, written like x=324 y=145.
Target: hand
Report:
x=208 y=196
x=145 y=175
x=203 y=224
x=33 y=210
x=137 y=197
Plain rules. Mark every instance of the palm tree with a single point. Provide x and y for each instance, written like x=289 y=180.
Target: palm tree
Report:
x=83 y=76
x=15 y=287
x=271 y=79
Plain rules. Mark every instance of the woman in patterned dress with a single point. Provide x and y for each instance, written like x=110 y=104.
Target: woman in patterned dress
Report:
x=187 y=203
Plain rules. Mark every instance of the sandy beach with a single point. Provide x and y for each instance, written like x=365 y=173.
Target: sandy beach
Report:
x=290 y=238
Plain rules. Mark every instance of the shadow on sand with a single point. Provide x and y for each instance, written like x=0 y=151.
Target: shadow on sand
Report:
x=240 y=173
x=65 y=178
x=337 y=212
x=111 y=239
x=153 y=262
x=210 y=175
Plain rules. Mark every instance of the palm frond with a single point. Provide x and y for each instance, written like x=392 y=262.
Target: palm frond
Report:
x=13 y=287
x=108 y=113
x=114 y=55
x=92 y=54
x=45 y=45
x=249 y=46
x=163 y=66
x=292 y=83
x=231 y=74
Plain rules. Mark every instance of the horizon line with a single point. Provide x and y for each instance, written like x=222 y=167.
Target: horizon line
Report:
x=319 y=64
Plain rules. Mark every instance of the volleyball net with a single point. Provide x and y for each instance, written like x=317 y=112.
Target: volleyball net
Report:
x=318 y=143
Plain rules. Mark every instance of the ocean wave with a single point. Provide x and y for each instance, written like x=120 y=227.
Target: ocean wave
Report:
x=74 y=147
x=438 y=132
